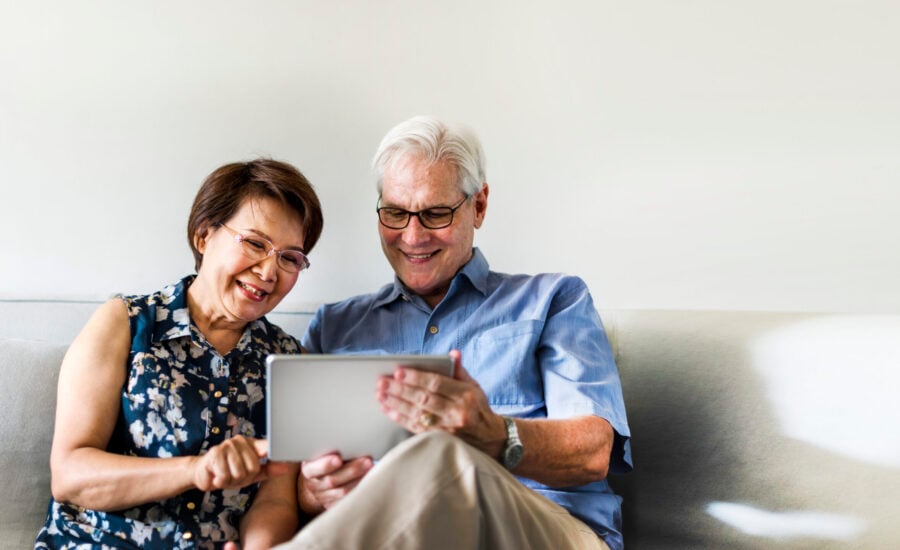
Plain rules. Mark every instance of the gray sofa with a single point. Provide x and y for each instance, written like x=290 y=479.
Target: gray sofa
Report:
x=750 y=430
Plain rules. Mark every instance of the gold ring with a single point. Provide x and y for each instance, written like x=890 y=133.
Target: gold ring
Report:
x=427 y=419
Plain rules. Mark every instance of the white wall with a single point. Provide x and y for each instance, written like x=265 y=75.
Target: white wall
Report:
x=702 y=154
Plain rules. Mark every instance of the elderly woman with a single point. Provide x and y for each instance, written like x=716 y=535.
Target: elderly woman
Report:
x=161 y=397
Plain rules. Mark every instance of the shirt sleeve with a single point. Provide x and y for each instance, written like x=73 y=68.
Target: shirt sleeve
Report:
x=579 y=369
x=312 y=340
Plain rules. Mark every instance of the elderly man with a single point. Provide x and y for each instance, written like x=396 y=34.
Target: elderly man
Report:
x=535 y=410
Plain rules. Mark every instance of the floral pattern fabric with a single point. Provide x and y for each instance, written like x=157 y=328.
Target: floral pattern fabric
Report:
x=181 y=398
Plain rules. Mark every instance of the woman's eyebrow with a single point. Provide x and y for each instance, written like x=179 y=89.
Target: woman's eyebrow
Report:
x=268 y=238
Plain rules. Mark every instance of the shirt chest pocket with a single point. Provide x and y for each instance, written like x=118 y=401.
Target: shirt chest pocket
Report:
x=504 y=361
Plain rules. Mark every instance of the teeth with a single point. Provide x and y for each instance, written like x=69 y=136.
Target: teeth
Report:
x=254 y=291
x=419 y=256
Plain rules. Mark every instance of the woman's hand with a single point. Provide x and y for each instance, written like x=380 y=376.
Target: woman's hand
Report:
x=323 y=482
x=233 y=464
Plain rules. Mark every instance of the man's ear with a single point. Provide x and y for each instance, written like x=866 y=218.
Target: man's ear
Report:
x=481 y=201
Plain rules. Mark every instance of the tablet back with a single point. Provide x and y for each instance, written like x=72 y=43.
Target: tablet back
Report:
x=322 y=403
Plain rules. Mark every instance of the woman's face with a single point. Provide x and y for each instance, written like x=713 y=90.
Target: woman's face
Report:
x=235 y=287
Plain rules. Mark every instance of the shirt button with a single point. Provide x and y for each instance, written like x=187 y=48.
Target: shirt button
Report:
x=433 y=329
x=215 y=430
x=191 y=505
x=187 y=536
x=217 y=394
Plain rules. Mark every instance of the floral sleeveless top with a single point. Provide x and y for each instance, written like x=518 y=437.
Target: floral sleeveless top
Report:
x=180 y=398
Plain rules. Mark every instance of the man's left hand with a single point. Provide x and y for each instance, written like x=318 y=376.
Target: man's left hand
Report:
x=421 y=401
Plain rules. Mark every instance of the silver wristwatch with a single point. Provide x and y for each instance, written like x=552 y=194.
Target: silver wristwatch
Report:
x=512 y=452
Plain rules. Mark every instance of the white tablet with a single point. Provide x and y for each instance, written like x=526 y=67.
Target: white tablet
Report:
x=322 y=403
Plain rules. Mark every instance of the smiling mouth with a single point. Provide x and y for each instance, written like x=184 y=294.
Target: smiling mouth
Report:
x=419 y=256
x=256 y=292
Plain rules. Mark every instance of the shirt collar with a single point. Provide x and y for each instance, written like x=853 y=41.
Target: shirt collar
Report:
x=173 y=319
x=391 y=293
x=476 y=271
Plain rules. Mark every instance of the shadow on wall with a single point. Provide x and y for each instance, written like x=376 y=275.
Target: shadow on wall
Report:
x=750 y=430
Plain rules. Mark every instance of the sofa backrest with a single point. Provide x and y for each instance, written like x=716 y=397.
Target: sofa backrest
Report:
x=60 y=321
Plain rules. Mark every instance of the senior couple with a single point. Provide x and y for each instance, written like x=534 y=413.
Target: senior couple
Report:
x=160 y=426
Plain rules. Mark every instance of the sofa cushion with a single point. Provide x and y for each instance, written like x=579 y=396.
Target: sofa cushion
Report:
x=760 y=430
x=28 y=375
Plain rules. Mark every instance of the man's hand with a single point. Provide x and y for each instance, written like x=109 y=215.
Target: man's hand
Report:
x=421 y=401
x=326 y=480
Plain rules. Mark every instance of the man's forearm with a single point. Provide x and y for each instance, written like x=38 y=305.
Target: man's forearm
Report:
x=563 y=453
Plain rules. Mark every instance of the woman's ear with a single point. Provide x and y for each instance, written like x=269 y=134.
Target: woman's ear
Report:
x=200 y=238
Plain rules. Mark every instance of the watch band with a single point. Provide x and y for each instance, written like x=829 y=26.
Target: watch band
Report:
x=513 y=451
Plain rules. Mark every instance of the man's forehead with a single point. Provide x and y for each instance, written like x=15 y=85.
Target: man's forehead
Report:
x=414 y=163
x=414 y=178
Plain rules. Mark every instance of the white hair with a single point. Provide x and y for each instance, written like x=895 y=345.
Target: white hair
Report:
x=434 y=141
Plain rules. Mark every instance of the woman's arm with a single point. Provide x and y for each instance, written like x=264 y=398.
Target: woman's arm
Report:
x=272 y=518
x=88 y=403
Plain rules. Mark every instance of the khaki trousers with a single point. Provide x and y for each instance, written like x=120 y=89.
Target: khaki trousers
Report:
x=433 y=492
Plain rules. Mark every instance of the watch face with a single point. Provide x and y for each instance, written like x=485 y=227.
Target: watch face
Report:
x=513 y=456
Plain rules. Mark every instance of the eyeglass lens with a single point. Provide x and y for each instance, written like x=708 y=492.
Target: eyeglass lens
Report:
x=437 y=217
x=433 y=218
x=288 y=260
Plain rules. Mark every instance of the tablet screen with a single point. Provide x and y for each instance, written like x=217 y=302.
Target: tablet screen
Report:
x=317 y=404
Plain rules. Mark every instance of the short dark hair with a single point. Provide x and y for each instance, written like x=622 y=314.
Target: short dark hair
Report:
x=228 y=187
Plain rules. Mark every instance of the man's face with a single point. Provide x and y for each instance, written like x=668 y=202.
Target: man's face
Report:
x=425 y=259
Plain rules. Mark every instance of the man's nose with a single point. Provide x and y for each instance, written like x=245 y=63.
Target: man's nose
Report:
x=415 y=232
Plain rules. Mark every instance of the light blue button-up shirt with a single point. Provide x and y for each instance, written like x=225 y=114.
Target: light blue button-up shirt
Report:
x=535 y=344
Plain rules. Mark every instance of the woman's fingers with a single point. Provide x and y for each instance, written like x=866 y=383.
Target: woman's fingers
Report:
x=233 y=463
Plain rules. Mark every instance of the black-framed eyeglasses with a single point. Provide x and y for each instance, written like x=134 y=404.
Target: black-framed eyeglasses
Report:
x=436 y=217
x=259 y=248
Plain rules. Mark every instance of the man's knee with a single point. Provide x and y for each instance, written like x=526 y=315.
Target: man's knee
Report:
x=433 y=442
x=437 y=448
